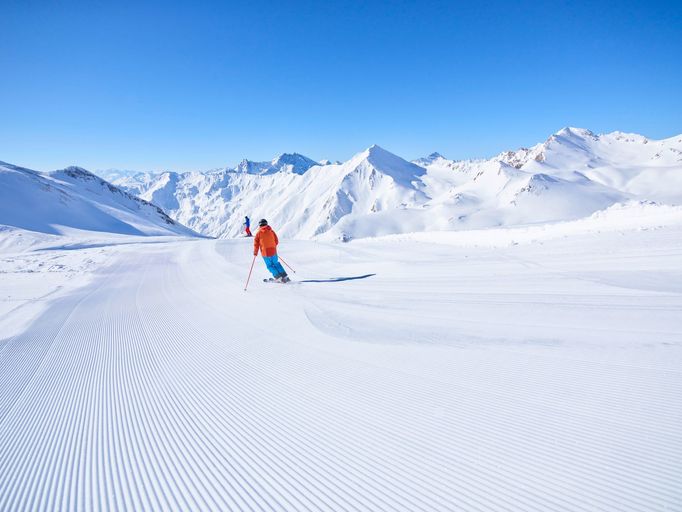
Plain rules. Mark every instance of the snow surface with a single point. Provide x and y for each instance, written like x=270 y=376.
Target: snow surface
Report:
x=75 y=199
x=527 y=368
x=571 y=175
x=501 y=334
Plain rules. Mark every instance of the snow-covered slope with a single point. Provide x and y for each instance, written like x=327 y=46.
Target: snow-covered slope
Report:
x=631 y=163
x=573 y=174
x=73 y=198
x=287 y=162
x=300 y=204
x=529 y=377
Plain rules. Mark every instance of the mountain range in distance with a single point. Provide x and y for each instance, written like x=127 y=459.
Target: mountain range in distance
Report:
x=571 y=175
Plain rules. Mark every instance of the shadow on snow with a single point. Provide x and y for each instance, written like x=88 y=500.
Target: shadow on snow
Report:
x=336 y=279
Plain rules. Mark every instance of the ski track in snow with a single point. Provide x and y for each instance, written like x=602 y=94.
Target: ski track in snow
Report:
x=478 y=385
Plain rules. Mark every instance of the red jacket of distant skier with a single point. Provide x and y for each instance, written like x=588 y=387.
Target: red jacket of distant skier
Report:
x=265 y=240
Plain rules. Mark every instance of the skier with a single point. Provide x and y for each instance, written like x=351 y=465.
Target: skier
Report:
x=247 y=226
x=266 y=240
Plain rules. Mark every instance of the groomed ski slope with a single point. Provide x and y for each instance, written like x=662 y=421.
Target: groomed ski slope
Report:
x=539 y=376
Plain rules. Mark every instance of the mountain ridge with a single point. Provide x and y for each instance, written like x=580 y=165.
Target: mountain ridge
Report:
x=571 y=174
x=73 y=198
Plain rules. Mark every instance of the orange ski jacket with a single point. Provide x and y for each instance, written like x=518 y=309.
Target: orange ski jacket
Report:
x=265 y=240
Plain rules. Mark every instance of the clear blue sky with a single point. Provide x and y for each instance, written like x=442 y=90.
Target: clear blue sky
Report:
x=193 y=85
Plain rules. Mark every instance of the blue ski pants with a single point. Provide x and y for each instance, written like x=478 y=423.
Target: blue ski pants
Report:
x=274 y=266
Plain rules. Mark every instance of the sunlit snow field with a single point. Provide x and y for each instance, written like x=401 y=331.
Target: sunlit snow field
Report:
x=527 y=369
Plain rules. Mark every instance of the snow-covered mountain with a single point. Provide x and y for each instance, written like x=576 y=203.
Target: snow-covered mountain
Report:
x=73 y=198
x=571 y=175
x=301 y=204
x=112 y=175
x=287 y=163
x=137 y=181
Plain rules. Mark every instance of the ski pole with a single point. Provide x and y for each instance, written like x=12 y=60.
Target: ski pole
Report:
x=250 y=270
x=287 y=265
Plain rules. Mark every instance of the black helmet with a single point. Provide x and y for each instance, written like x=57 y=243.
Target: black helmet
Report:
x=262 y=222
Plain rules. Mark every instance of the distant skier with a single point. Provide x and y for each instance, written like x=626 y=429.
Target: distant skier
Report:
x=266 y=241
x=247 y=226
